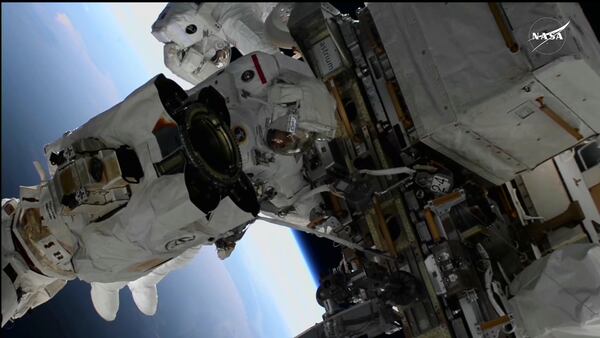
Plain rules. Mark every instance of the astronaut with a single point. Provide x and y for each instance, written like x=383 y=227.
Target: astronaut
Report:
x=198 y=37
x=137 y=190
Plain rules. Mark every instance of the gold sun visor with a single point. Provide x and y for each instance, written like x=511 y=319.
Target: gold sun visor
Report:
x=286 y=137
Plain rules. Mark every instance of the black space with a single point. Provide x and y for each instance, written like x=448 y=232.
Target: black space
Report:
x=591 y=10
x=349 y=7
x=235 y=54
x=320 y=252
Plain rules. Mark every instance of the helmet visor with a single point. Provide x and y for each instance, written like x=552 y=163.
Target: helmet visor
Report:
x=285 y=137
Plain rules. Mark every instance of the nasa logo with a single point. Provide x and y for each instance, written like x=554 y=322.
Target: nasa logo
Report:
x=172 y=244
x=547 y=36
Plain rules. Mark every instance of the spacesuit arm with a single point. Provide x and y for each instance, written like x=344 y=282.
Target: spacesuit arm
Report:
x=243 y=25
x=35 y=290
x=188 y=63
x=276 y=26
x=316 y=108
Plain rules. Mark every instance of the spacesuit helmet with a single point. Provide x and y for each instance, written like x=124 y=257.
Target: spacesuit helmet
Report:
x=302 y=111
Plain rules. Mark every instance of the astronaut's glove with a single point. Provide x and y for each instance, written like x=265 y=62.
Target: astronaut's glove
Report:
x=224 y=248
x=199 y=61
x=187 y=63
x=302 y=110
x=305 y=97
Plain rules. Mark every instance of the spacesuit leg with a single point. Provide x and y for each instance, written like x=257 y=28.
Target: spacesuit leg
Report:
x=105 y=297
x=143 y=290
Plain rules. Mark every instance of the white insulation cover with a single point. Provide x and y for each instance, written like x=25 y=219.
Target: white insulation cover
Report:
x=473 y=100
x=558 y=296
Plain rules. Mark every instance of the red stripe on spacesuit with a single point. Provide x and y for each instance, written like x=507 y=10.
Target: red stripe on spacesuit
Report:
x=259 y=70
x=163 y=123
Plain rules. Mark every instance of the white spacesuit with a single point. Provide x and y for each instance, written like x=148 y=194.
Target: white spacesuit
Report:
x=558 y=296
x=24 y=286
x=133 y=193
x=198 y=37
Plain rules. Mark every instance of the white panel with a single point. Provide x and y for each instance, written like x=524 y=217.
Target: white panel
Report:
x=592 y=176
x=475 y=153
x=577 y=85
x=454 y=70
x=565 y=236
x=513 y=122
x=545 y=187
x=573 y=179
x=557 y=296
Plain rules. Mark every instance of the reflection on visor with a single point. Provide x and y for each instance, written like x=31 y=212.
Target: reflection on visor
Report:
x=288 y=143
x=285 y=137
x=282 y=142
